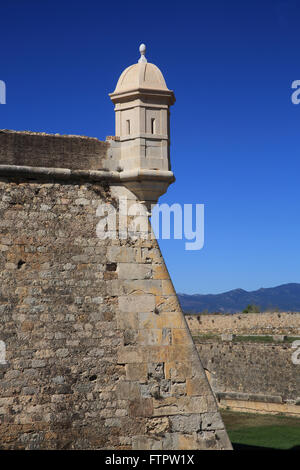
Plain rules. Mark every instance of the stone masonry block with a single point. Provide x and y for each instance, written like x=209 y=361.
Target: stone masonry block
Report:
x=150 y=337
x=178 y=389
x=114 y=287
x=131 y=271
x=137 y=372
x=178 y=371
x=180 y=405
x=186 y=423
x=148 y=286
x=121 y=254
x=128 y=320
x=147 y=320
x=156 y=370
x=158 y=426
x=130 y=336
x=197 y=386
x=167 y=304
x=188 y=441
x=181 y=336
x=223 y=440
x=128 y=390
x=166 y=336
x=167 y=287
x=212 y=421
x=146 y=443
x=156 y=353
x=179 y=351
x=136 y=303
x=142 y=407
x=160 y=272
x=129 y=354
x=170 y=320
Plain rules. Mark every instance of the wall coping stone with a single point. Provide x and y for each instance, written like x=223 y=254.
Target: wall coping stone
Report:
x=249 y=397
x=92 y=175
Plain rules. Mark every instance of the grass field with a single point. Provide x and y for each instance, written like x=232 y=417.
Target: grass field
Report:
x=248 y=431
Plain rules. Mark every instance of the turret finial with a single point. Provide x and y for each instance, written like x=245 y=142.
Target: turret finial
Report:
x=142 y=51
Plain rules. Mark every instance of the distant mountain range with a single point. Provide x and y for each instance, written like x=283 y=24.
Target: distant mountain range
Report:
x=283 y=298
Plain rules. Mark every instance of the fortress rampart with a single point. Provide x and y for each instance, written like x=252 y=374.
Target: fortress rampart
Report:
x=36 y=149
x=98 y=352
x=249 y=359
x=246 y=323
x=95 y=352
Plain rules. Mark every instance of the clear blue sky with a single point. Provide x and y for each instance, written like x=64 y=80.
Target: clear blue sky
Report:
x=235 y=132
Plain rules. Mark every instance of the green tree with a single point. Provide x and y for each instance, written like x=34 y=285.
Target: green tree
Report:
x=252 y=308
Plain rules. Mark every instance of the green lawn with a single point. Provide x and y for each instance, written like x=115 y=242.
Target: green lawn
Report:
x=255 y=431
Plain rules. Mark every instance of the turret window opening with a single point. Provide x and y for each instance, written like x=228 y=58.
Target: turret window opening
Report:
x=153 y=126
x=128 y=126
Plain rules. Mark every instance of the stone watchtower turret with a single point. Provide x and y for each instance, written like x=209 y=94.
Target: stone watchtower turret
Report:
x=96 y=352
x=141 y=147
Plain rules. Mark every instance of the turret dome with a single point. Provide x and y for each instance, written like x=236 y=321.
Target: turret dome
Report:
x=142 y=76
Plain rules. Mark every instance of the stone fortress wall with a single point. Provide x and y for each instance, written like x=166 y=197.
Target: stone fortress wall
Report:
x=285 y=323
x=95 y=352
x=98 y=352
x=34 y=149
x=248 y=359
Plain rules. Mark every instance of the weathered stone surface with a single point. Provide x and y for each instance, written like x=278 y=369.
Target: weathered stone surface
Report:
x=283 y=323
x=255 y=369
x=186 y=423
x=197 y=386
x=158 y=426
x=51 y=150
x=250 y=375
x=98 y=352
x=136 y=303
x=146 y=443
x=134 y=271
x=141 y=408
x=126 y=390
x=137 y=371
x=211 y=421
